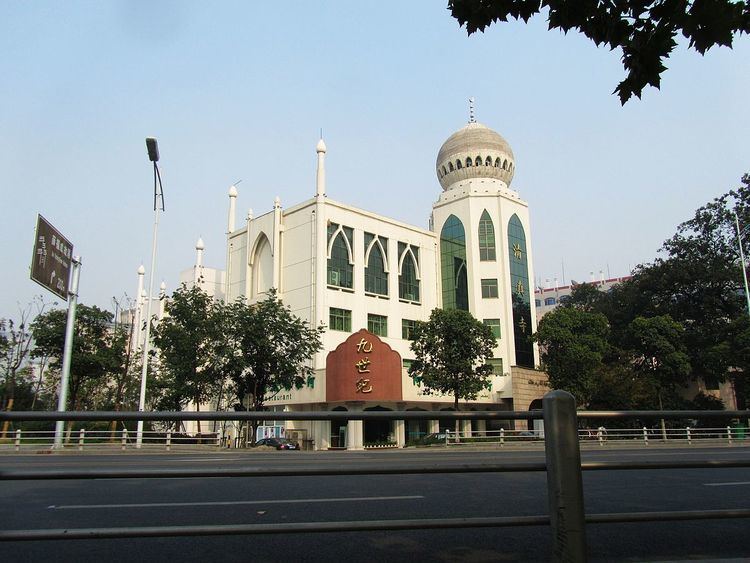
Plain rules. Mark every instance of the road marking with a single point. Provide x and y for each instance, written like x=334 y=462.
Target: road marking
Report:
x=230 y=503
x=727 y=484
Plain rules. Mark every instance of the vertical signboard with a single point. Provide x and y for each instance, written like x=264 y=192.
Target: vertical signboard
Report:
x=51 y=261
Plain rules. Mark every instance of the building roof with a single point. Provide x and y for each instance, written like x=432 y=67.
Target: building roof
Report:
x=475 y=151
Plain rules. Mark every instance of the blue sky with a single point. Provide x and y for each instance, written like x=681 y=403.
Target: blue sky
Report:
x=233 y=90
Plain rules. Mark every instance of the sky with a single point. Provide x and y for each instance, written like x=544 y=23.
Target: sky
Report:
x=240 y=90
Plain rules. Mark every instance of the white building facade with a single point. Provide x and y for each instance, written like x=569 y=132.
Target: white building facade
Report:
x=369 y=278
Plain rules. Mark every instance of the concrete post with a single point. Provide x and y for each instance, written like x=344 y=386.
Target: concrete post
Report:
x=400 y=433
x=18 y=440
x=124 y=438
x=81 y=435
x=169 y=440
x=502 y=437
x=687 y=430
x=564 y=480
x=354 y=431
x=645 y=435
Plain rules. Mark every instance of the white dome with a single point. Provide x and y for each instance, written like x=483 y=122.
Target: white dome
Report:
x=475 y=151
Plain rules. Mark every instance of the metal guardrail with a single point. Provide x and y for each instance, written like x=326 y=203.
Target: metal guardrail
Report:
x=563 y=466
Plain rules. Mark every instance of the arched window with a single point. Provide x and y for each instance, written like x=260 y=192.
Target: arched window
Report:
x=262 y=267
x=408 y=282
x=458 y=165
x=488 y=161
x=444 y=172
x=450 y=166
x=497 y=163
x=505 y=164
x=340 y=269
x=519 y=283
x=376 y=277
x=468 y=161
x=549 y=301
x=478 y=161
x=453 y=265
x=486 y=238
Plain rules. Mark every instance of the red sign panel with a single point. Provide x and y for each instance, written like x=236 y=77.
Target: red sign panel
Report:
x=363 y=368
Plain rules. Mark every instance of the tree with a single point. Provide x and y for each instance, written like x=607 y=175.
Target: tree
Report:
x=15 y=345
x=270 y=349
x=573 y=343
x=91 y=360
x=451 y=352
x=658 y=356
x=645 y=30
x=192 y=349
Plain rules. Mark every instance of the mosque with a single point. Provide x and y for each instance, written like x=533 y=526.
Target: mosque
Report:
x=369 y=278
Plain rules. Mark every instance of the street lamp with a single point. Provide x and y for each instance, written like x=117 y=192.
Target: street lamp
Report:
x=153 y=156
x=742 y=258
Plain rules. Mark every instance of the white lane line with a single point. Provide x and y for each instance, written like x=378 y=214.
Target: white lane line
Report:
x=727 y=484
x=230 y=503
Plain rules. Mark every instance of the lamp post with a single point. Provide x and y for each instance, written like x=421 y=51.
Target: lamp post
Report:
x=153 y=156
x=742 y=259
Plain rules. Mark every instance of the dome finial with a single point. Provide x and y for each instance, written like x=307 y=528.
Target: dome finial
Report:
x=471 y=110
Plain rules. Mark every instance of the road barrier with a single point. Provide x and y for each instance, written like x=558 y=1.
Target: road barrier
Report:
x=567 y=518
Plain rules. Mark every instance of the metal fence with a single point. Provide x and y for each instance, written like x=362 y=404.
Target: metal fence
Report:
x=566 y=519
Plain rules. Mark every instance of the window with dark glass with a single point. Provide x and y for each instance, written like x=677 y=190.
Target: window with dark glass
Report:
x=407 y=329
x=376 y=278
x=489 y=288
x=486 y=238
x=377 y=324
x=549 y=301
x=340 y=319
x=408 y=284
x=494 y=325
x=340 y=269
x=453 y=265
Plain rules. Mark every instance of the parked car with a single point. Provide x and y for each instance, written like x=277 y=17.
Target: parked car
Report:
x=278 y=443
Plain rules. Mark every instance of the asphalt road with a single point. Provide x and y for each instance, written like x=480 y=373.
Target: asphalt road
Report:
x=257 y=500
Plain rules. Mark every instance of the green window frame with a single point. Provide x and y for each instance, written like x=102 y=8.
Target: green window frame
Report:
x=487 y=252
x=407 y=329
x=453 y=264
x=377 y=324
x=489 y=288
x=340 y=269
x=494 y=325
x=497 y=366
x=340 y=319
x=376 y=278
x=408 y=284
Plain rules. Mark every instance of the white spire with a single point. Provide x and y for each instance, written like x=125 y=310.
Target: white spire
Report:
x=320 y=182
x=472 y=119
x=199 y=248
x=232 y=205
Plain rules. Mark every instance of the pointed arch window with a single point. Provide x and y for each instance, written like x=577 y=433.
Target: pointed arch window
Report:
x=376 y=258
x=521 y=300
x=487 y=251
x=340 y=262
x=453 y=265
x=408 y=279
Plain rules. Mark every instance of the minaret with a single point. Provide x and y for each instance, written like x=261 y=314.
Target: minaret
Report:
x=162 y=299
x=232 y=207
x=198 y=270
x=230 y=230
x=320 y=182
